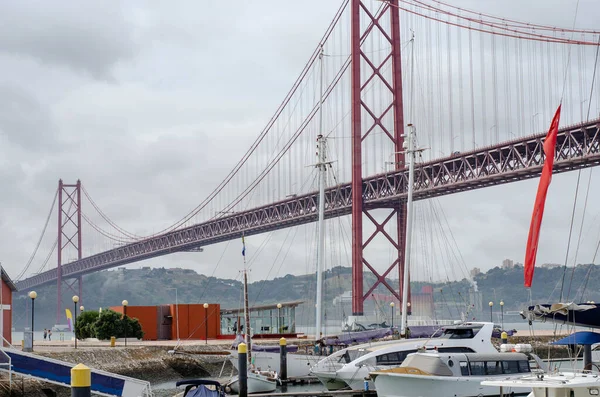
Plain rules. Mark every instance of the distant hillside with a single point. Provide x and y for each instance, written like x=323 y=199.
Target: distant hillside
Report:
x=156 y=286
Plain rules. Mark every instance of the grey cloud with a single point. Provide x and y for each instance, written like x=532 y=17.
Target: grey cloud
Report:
x=150 y=106
x=24 y=120
x=90 y=37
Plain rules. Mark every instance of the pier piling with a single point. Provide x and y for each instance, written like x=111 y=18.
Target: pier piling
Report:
x=243 y=369
x=81 y=381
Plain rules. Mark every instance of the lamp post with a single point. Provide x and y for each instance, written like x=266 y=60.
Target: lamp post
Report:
x=32 y=295
x=206 y=323
x=502 y=315
x=81 y=308
x=176 y=312
x=392 y=306
x=125 y=303
x=75 y=300
x=491 y=306
x=278 y=317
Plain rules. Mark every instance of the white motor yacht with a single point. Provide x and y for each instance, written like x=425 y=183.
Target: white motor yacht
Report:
x=349 y=367
x=452 y=374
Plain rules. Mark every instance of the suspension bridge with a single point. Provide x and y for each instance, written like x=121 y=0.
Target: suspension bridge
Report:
x=480 y=89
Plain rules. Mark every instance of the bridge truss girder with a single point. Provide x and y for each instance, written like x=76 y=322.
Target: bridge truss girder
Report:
x=577 y=147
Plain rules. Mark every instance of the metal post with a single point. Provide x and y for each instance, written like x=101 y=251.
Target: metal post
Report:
x=243 y=369
x=278 y=317
x=177 y=313
x=75 y=324
x=491 y=304
x=502 y=315
x=81 y=381
x=125 y=303
x=32 y=295
x=206 y=323
x=322 y=166
x=411 y=152
x=283 y=363
x=75 y=299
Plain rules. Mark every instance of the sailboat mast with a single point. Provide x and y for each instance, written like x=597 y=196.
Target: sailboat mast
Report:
x=322 y=166
x=247 y=314
x=410 y=151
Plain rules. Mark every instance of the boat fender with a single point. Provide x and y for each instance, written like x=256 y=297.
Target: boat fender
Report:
x=507 y=347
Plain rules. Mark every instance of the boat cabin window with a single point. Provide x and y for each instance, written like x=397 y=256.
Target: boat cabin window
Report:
x=511 y=367
x=493 y=368
x=480 y=368
x=394 y=358
x=351 y=355
x=455 y=349
x=464 y=368
x=524 y=366
x=460 y=333
x=477 y=368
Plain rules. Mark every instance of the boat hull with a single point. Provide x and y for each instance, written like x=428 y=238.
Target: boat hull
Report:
x=256 y=384
x=330 y=381
x=298 y=365
x=391 y=385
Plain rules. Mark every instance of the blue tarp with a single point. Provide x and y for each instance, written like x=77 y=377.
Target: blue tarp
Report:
x=579 y=314
x=579 y=338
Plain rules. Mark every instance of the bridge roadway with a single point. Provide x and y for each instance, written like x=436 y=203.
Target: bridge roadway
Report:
x=577 y=147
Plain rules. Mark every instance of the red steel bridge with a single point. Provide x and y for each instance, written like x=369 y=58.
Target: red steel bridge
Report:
x=479 y=88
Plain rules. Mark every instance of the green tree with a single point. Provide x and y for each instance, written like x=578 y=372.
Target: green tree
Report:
x=111 y=323
x=85 y=325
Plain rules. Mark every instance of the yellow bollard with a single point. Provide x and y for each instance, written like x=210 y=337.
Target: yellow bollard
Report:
x=113 y=341
x=81 y=381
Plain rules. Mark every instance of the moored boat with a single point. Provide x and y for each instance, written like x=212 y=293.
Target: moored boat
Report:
x=349 y=367
x=258 y=382
x=425 y=374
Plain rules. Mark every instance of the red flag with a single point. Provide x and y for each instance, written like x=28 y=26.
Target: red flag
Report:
x=540 y=199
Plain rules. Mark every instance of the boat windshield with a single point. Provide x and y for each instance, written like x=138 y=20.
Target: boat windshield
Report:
x=460 y=333
x=351 y=355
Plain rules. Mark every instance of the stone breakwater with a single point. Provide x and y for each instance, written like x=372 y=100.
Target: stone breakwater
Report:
x=151 y=363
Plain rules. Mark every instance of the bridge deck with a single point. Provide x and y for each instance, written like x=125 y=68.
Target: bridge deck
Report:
x=577 y=147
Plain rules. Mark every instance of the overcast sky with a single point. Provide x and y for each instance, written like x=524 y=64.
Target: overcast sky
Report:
x=151 y=105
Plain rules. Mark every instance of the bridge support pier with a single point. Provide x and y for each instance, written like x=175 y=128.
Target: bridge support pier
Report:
x=69 y=236
x=385 y=116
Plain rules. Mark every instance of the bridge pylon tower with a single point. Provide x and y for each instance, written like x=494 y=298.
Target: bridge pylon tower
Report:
x=383 y=69
x=69 y=238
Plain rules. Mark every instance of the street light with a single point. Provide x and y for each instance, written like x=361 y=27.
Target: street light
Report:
x=502 y=315
x=32 y=295
x=176 y=311
x=392 y=306
x=491 y=306
x=206 y=323
x=75 y=300
x=81 y=308
x=278 y=317
x=125 y=303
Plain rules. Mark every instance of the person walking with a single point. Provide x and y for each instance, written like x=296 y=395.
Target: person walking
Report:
x=45 y=333
x=49 y=334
